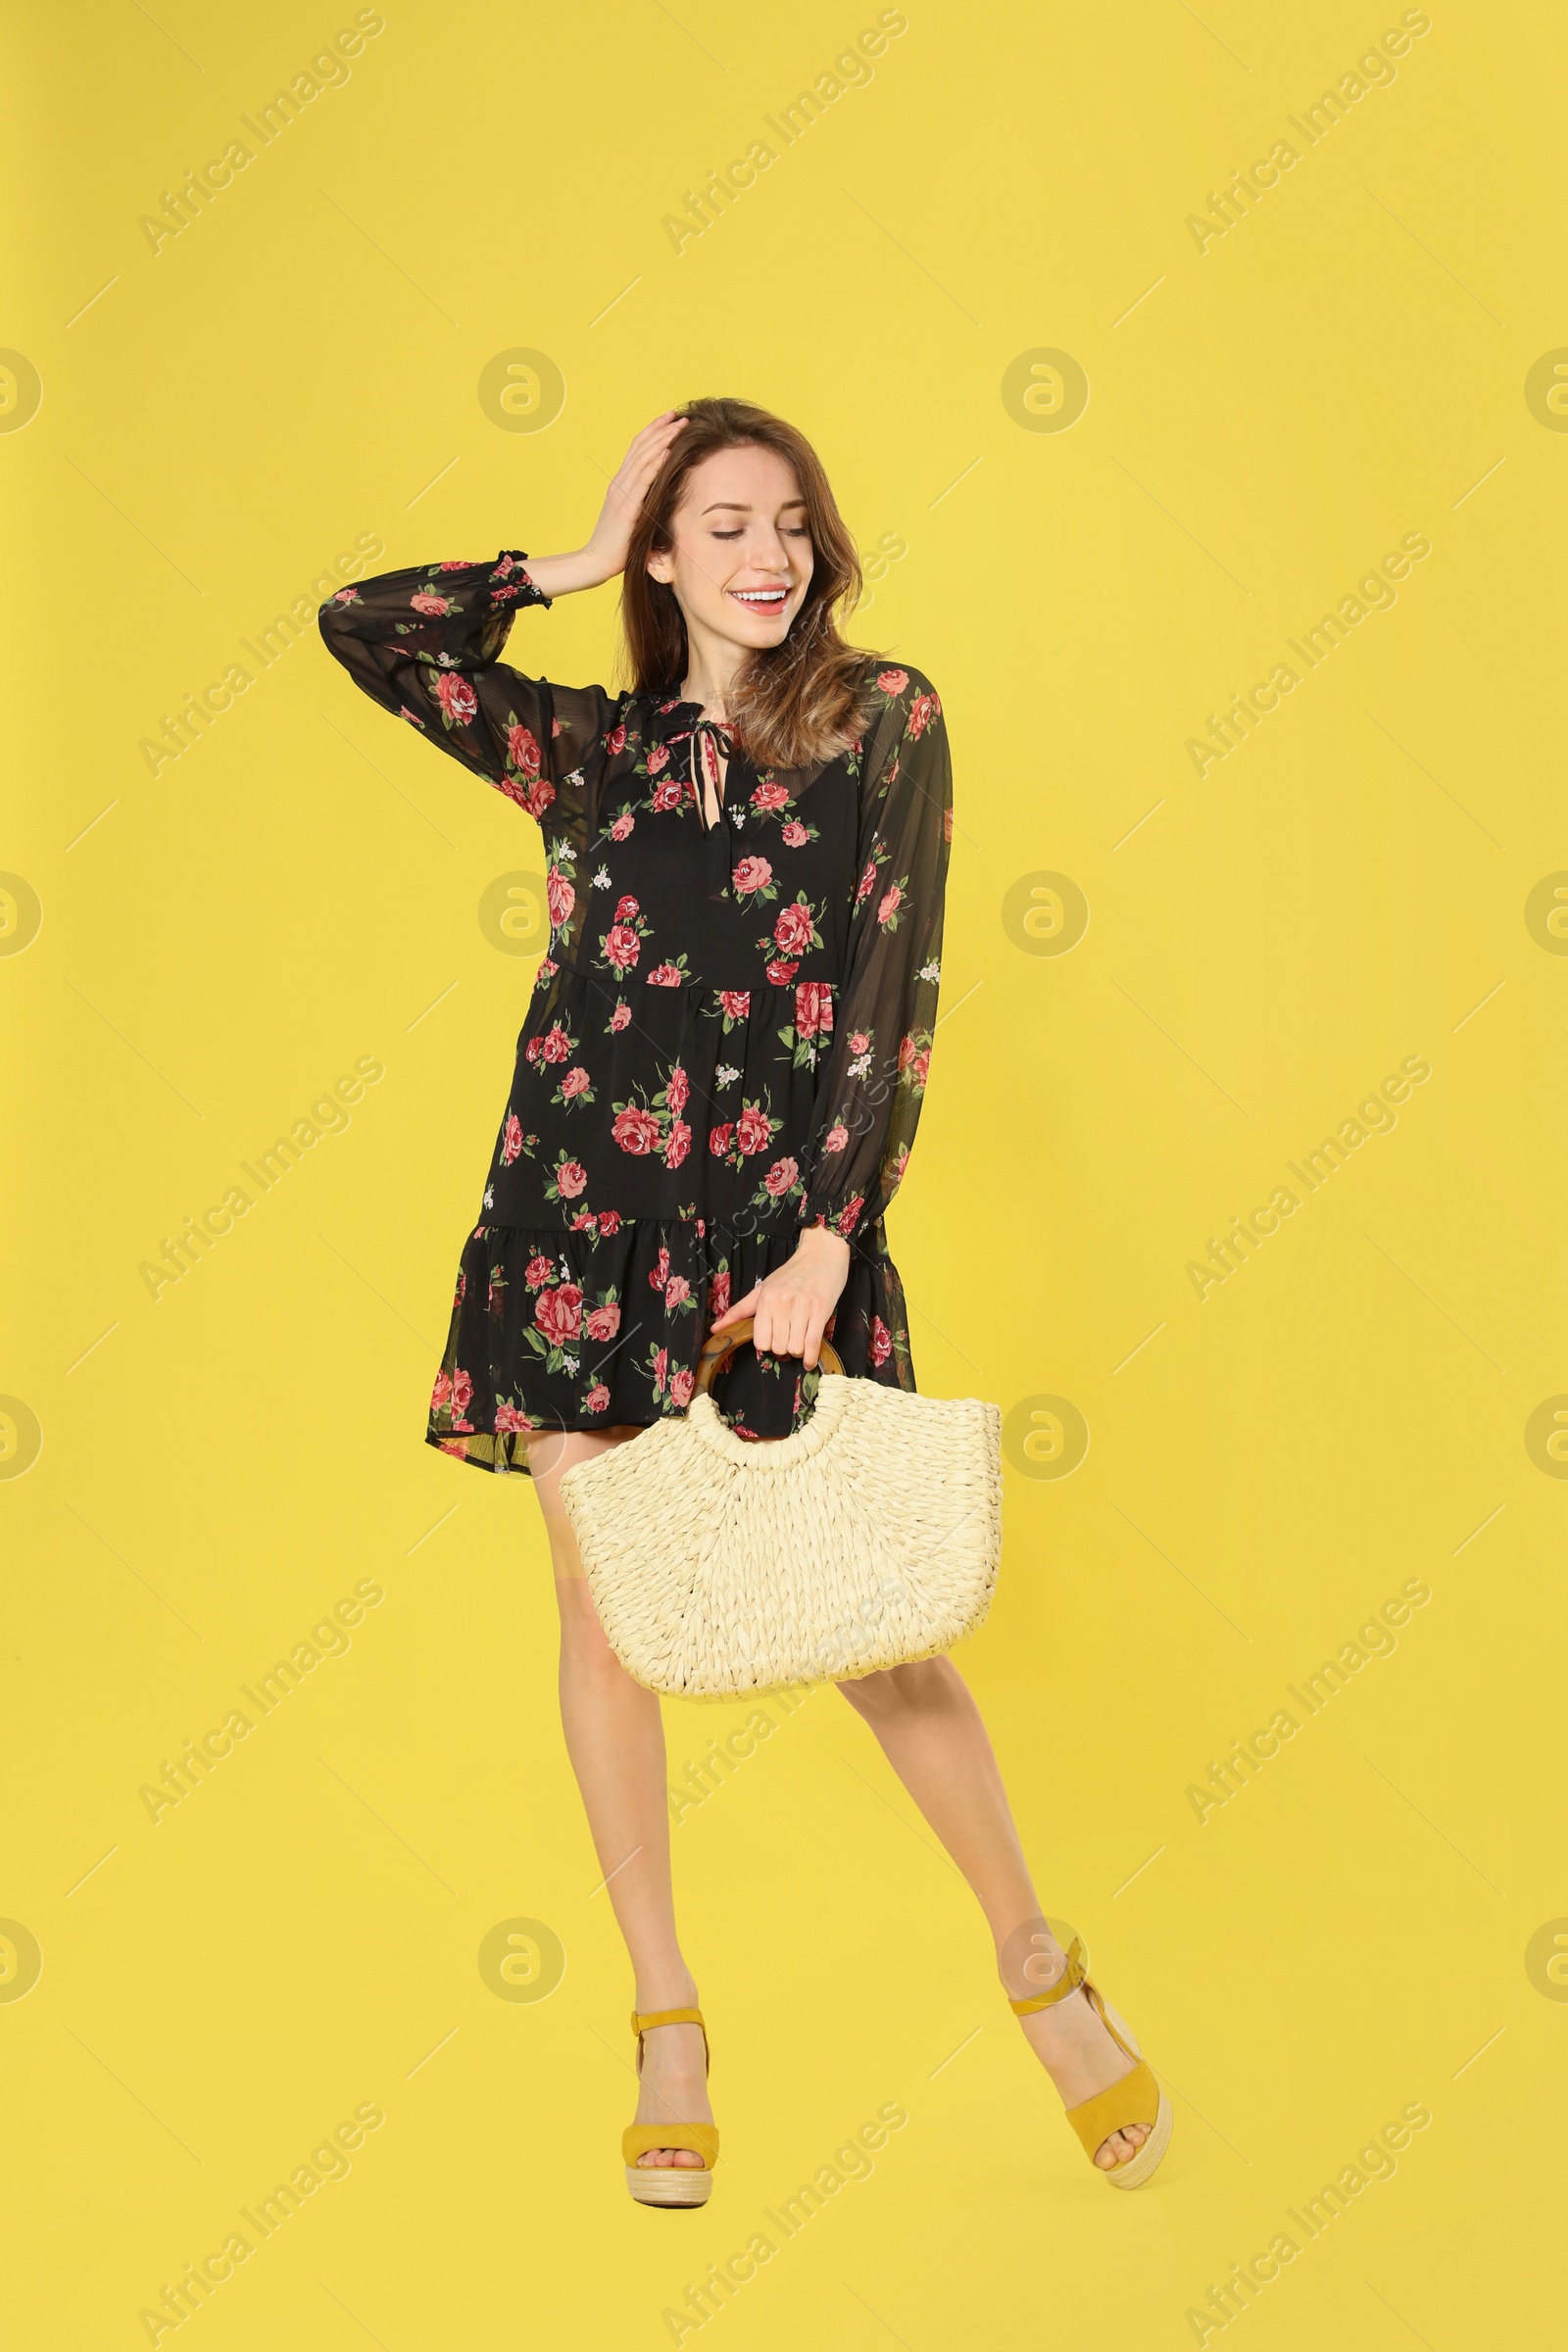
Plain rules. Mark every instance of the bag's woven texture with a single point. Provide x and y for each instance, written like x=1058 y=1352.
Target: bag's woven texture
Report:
x=867 y=1539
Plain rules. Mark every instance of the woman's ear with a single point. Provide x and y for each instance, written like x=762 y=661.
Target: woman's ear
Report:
x=661 y=567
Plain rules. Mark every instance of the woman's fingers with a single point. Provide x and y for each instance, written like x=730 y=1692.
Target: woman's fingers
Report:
x=646 y=452
x=740 y=1309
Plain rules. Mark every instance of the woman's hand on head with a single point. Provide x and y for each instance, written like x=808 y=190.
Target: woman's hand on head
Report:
x=623 y=500
x=790 y=1308
x=603 y=557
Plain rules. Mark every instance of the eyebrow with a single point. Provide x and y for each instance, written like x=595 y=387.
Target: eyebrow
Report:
x=737 y=506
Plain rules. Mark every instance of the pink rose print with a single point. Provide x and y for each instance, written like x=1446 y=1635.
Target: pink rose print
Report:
x=626 y=910
x=781 y=975
x=597 y=1399
x=559 y=1312
x=621 y=827
x=666 y=975
x=718 y=1139
x=922 y=710
x=424 y=602
x=657 y=759
x=677 y=1290
x=680 y=1389
x=620 y=1018
x=574 y=1082
x=752 y=874
x=615 y=741
x=535 y=798
x=678 y=1090
x=610 y=1222
x=860 y=1043
x=780 y=1176
x=737 y=1001
x=622 y=947
x=556 y=1045
x=767 y=796
x=813 y=1008
x=793 y=929
x=893 y=681
x=571 y=1178
x=867 y=884
x=660 y=1273
x=661 y=1370
x=795 y=834
x=536 y=1271
x=679 y=1143
x=891 y=900
x=603 y=1322
x=523 y=750
x=635 y=1131
x=413 y=717
x=912 y=1060
x=719 y=1296
x=512 y=1140
x=455 y=697
x=881 y=1342
x=753 y=1131
x=584 y=1221
x=669 y=793
x=507 y=1419
x=559 y=897
x=837 y=1136
x=556 y=726
x=350 y=596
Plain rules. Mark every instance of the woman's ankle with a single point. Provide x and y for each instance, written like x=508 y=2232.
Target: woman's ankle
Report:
x=665 y=1989
x=1030 y=1961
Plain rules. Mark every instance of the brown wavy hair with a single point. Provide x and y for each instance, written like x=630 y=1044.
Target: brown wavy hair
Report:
x=792 y=704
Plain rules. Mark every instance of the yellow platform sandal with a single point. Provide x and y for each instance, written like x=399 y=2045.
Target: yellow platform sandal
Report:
x=675 y=2186
x=1136 y=2099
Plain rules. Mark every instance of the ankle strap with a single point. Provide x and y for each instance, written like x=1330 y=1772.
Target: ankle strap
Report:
x=643 y=2024
x=1072 y=1975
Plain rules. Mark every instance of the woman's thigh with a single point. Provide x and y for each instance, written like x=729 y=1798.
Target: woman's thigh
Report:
x=551 y=1454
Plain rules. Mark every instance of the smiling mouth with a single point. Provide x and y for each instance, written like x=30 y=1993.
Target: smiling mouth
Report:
x=761 y=600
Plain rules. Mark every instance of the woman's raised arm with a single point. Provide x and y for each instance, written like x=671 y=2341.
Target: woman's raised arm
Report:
x=425 y=644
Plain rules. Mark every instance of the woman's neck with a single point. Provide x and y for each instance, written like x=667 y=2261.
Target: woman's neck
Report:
x=713 y=664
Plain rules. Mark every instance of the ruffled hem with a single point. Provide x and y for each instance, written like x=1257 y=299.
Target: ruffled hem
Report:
x=555 y=1331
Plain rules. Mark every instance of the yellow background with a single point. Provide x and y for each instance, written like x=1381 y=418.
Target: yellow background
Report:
x=1266 y=417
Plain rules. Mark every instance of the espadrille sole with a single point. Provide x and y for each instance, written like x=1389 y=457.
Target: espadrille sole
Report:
x=675 y=2186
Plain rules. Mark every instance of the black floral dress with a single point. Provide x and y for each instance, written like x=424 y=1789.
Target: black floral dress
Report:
x=728 y=1037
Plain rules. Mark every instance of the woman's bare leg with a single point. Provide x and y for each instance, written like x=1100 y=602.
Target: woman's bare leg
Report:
x=930 y=1731
x=615 y=1740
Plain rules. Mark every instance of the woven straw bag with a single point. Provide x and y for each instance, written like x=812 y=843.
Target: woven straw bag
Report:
x=866 y=1539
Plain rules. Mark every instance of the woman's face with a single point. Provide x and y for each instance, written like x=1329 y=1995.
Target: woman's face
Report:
x=742 y=554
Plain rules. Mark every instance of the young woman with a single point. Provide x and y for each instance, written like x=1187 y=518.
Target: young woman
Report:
x=715 y=1091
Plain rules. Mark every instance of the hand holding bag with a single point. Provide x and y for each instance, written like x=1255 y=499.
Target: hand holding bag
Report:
x=867 y=1539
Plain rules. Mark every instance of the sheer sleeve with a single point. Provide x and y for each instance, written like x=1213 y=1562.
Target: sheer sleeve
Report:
x=425 y=644
x=874 y=1081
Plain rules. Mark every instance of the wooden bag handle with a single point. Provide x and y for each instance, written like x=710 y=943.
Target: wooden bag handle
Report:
x=721 y=1346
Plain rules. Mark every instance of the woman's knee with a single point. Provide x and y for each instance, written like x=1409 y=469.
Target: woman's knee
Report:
x=901 y=1689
